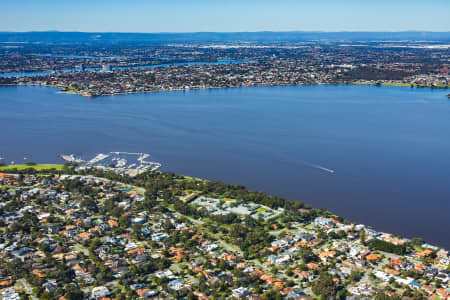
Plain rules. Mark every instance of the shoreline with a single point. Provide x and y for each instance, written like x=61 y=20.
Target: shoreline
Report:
x=62 y=90
x=60 y=168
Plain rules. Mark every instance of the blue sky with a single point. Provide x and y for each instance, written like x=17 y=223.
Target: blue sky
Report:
x=225 y=15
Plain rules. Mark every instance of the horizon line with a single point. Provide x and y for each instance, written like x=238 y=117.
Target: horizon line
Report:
x=257 y=31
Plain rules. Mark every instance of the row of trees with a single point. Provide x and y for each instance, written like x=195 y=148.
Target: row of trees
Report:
x=387 y=247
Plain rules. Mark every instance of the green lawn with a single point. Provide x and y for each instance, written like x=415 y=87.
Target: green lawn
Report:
x=309 y=226
x=189 y=178
x=228 y=199
x=399 y=84
x=70 y=90
x=385 y=84
x=36 y=167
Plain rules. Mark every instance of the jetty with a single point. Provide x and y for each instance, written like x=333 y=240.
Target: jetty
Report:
x=114 y=162
x=98 y=158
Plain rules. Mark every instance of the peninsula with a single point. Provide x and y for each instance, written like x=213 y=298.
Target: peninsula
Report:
x=83 y=232
x=93 y=70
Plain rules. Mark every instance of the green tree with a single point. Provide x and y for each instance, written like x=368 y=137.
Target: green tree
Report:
x=73 y=293
x=272 y=295
x=355 y=276
x=325 y=286
x=362 y=237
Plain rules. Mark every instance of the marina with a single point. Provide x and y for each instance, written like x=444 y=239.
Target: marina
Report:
x=120 y=162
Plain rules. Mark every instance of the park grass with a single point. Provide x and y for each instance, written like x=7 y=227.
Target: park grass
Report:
x=141 y=244
x=273 y=221
x=385 y=84
x=190 y=191
x=227 y=226
x=309 y=226
x=402 y=84
x=189 y=178
x=70 y=90
x=228 y=199
x=397 y=84
x=39 y=167
x=417 y=248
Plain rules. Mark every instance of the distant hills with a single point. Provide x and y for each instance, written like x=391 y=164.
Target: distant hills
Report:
x=203 y=37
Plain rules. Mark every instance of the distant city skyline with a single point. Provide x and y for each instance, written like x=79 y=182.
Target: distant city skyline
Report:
x=224 y=16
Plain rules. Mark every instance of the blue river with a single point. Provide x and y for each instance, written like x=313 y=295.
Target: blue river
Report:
x=375 y=155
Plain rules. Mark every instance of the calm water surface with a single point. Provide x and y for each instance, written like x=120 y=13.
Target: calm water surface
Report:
x=389 y=147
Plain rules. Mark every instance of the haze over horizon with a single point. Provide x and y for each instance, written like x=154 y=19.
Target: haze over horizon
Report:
x=245 y=31
x=224 y=16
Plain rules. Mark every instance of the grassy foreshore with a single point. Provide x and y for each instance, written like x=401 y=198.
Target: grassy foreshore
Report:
x=401 y=84
x=38 y=167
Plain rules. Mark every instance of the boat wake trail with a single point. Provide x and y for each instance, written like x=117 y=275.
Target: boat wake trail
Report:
x=317 y=167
